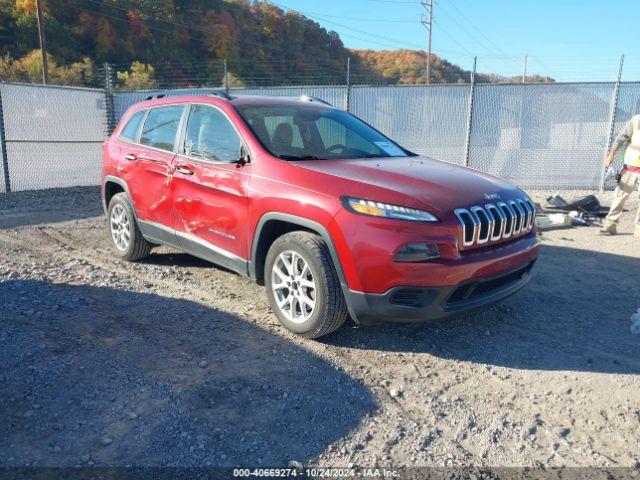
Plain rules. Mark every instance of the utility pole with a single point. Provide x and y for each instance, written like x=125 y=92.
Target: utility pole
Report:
x=427 y=21
x=43 y=42
x=524 y=73
x=348 y=92
x=472 y=96
x=612 y=119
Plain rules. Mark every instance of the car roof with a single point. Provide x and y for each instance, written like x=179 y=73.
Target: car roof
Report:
x=236 y=100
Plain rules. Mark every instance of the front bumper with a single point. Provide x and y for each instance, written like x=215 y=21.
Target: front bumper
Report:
x=414 y=304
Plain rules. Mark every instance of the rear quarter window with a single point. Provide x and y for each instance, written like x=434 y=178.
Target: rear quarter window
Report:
x=130 y=130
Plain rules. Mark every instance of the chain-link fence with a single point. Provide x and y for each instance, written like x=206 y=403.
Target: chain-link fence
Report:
x=542 y=137
x=548 y=136
x=52 y=136
x=427 y=120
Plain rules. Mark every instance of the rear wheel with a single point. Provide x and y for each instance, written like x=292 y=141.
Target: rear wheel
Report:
x=123 y=230
x=302 y=285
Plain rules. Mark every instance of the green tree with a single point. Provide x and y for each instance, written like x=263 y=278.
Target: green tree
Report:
x=29 y=69
x=139 y=77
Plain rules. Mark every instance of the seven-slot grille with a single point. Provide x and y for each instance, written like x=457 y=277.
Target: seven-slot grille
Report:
x=495 y=222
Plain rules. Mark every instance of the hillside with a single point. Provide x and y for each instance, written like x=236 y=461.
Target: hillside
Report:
x=173 y=43
x=408 y=67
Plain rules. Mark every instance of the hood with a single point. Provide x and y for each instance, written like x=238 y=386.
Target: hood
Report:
x=437 y=185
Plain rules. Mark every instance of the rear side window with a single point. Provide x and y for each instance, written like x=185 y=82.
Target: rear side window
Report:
x=130 y=130
x=210 y=136
x=161 y=126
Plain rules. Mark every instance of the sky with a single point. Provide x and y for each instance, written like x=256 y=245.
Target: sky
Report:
x=569 y=40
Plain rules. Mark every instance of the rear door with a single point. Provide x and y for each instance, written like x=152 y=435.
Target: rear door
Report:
x=209 y=191
x=149 y=178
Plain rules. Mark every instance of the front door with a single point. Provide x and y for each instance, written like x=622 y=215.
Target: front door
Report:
x=149 y=175
x=209 y=191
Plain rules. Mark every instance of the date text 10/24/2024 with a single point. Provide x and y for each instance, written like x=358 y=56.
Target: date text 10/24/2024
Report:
x=315 y=472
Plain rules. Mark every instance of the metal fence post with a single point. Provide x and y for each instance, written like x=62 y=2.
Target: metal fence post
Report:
x=467 y=145
x=225 y=78
x=3 y=150
x=347 y=100
x=108 y=93
x=612 y=125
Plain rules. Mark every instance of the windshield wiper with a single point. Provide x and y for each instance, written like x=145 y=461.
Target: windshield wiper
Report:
x=297 y=157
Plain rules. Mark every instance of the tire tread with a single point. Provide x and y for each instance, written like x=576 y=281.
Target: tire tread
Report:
x=141 y=248
x=336 y=312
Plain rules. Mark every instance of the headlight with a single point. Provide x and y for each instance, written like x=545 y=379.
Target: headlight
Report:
x=378 y=209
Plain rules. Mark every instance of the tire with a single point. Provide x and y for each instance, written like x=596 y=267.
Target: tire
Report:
x=133 y=246
x=288 y=294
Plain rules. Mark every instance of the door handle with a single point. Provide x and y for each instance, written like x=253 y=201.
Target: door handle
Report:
x=131 y=157
x=183 y=169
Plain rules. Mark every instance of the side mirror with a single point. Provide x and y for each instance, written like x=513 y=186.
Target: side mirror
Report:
x=244 y=158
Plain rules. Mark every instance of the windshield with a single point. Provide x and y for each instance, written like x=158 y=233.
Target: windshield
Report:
x=315 y=132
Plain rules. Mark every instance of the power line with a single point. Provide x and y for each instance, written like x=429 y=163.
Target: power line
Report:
x=393 y=1
x=342 y=25
x=463 y=16
x=384 y=20
x=153 y=27
x=382 y=44
x=473 y=37
x=455 y=40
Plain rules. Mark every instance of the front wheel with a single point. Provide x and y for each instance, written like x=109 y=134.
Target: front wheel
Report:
x=302 y=285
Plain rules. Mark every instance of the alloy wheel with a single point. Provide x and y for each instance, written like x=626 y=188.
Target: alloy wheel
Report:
x=294 y=287
x=120 y=227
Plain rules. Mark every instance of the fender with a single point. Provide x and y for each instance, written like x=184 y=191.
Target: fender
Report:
x=125 y=187
x=315 y=227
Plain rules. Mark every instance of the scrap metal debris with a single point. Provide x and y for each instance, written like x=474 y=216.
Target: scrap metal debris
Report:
x=559 y=213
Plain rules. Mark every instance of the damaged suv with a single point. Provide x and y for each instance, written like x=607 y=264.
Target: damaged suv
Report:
x=334 y=218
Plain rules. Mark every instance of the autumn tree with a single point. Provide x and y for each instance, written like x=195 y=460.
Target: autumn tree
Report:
x=139 y=77
x=186 y=40
x=29 y=69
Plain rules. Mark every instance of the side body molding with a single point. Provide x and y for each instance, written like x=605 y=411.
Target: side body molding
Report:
x=161 y=234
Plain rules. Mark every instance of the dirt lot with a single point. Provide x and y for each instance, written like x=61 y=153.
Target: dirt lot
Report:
x=175 y=362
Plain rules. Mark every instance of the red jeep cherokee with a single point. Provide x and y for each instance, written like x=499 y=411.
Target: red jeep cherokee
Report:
x=334 y=218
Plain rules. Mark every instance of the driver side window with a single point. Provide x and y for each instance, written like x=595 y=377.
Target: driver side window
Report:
x=211 y=136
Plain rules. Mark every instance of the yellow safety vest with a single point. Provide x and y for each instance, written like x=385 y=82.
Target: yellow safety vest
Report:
x=632 y=153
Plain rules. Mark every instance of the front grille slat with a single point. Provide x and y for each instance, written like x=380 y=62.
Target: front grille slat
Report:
x=495 y=222
x=499 y=221
x=532 y=210
x=525 y=215
x=469 y=225
x=484 y=225
x=519 y=217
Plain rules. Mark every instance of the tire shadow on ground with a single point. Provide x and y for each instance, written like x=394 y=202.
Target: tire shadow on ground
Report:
x=107 y=377
x=573 y=316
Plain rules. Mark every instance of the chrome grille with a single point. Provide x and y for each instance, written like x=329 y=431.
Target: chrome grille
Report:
x=495 y=222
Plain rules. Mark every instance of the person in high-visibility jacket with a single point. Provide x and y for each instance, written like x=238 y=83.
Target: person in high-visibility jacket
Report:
x=629 y=137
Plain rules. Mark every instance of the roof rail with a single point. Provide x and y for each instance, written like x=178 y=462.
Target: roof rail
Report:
x=308 y=98
x=154 y=96
x=221 y=94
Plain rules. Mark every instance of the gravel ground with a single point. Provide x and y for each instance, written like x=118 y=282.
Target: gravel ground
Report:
x=173 y=362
